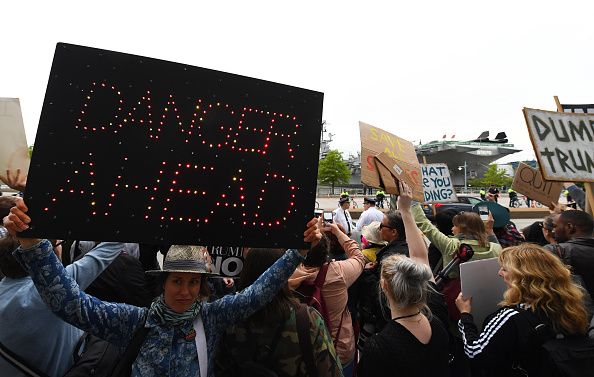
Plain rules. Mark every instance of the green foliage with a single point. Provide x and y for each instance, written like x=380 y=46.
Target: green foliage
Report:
x=492 y=176
x=333 y=170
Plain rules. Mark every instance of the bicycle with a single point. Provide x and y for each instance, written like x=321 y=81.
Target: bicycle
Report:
x=516 y=203
x=354 y=203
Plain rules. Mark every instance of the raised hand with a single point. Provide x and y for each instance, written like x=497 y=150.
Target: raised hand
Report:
x=18 y=221
x=405 y=198
x=15 y=181
x=312 y=234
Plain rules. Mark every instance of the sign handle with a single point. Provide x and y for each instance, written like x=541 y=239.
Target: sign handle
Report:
x=589 y=197
x=559 y=107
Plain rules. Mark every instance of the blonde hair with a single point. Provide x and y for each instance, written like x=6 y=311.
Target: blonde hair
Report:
x=407 y=281
x=539 y=279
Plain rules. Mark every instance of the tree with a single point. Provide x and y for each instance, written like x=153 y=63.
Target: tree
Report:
x=333 y=170
x=493 y=176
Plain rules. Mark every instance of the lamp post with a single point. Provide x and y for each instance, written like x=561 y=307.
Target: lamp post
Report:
x=460 y=168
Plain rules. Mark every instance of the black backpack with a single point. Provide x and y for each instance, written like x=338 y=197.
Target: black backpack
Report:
x=92 y=357
x=561 y=356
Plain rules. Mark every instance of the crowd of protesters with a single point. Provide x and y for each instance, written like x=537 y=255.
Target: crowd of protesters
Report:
x=383 y=314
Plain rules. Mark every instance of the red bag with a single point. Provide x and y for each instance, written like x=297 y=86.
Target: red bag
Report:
x=310 y=293
x=450 y=291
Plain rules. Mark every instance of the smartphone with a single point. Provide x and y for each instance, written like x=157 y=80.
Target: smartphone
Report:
x=483 y=212
x=318 y=212
x=328 y=217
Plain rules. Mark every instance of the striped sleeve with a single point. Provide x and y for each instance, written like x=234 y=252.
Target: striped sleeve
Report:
x=495 y=338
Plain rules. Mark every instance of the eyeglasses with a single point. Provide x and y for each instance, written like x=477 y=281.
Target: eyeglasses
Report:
x=384 y=226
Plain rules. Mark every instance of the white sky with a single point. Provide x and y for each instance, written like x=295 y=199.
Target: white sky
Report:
x=418 y=69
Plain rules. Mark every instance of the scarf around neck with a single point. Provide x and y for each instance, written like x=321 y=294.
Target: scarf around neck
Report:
x=167 y=316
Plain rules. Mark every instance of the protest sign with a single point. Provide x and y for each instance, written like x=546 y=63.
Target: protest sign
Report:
x=226 y=260
x=159 y=152
x=14 y=153
x=480 y=280
x=529 y=181
x=437 y=184
x=581 y=108
x=566 y=108
x=399 y=158
x=563 y=143
x=399 y=171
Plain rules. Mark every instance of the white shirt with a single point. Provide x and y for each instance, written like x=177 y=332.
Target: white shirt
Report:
x=368 y=216
x=343 y=217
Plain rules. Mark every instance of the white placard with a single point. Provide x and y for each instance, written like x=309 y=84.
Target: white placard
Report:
x=437 y=184
x=563 y=143
x=14 y=153
x=480 y=280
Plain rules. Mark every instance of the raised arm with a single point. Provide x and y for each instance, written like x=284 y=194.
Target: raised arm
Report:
x=85 y=270
x=416 y=245
x=446 y=245
x=353 y=266
x=113 y=322
x=232 y=308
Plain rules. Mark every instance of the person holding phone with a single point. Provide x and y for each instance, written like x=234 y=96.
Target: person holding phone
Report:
x=341 y=274
x=468 y=228
x=484 y=212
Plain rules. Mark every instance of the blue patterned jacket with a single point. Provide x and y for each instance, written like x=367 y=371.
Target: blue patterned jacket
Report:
x=167 y=350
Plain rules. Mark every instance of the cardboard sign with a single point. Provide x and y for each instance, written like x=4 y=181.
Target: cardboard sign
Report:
x=159 y=152
x=387 y=180
x=480 y=280
x=529 y=181
x=563 y=143
x=14 y=153
x=226 y=260
x=437 y=184
x=397 y=155
x=399 y=171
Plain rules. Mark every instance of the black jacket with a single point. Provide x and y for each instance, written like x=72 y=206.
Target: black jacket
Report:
x=579 y=254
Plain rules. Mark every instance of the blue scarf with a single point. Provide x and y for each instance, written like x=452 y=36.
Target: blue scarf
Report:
x=167 y=316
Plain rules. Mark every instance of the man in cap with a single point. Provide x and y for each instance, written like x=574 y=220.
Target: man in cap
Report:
x=342 y=216
x=370 y=214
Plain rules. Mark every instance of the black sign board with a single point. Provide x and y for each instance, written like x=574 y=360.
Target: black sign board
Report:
x=136 y=149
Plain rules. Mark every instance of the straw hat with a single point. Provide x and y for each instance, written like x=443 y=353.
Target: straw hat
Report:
x=186 y=258
x=371 y=233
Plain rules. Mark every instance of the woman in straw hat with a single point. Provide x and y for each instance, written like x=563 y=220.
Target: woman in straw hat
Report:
x=180 y=329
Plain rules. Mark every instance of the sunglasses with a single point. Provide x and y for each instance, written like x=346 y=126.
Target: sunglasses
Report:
x=384 y=226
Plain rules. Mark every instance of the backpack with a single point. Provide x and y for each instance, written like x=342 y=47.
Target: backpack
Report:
x=258 y=364
x=310 y=293
x=93 y=356
x=561 y=356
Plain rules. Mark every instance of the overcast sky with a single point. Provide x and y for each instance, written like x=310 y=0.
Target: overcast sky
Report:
x=419 y=69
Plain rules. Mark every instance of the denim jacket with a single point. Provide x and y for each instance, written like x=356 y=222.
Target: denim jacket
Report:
x=167 y=350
